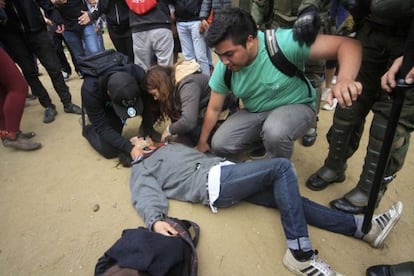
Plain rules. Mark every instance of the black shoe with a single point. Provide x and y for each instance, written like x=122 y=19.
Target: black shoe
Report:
x=406 y=268
x=72 y=108
x=259 y=153
x=317 y=183
x=50 y=114
x=378 y=270
x=309 y=138
x=31 y=97
x=344 y=205
x=65 y=75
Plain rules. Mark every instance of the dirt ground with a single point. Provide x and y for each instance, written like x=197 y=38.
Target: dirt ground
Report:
x=50 y=226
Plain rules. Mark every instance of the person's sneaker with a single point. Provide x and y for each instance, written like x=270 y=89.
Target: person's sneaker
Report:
x=314 y=266
x=258 y=153
x=65 y=75
x=30 y=97
x=72 y=108
x=20 y=143
x=328 y=107
x=382 y=224
x=50 y=114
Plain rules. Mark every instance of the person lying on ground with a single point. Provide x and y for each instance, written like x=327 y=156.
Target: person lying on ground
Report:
x=179 y=172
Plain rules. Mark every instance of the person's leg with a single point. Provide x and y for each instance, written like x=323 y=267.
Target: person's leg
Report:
x=200 y=48
x=237 y=182
x=44 y=51
x=20 y=50
x=184 y=34
x=238 y=132
x=122 y=42
x=284 y=125
x=142 y=49
x=13 y=94
x=163 y=46
x=90 y=39
x=375 y=63
x=74 y=42
x=13 y=91
x=57 y=44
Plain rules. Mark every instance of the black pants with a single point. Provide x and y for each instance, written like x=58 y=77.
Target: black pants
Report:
x=122 y=40
x=21 y=47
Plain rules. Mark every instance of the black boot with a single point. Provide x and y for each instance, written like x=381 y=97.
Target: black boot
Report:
x=402 y=269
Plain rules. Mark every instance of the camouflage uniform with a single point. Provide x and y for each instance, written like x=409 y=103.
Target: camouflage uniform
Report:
x=383 y=40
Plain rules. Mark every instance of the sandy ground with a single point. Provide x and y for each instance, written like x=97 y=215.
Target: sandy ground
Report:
x=49 y=225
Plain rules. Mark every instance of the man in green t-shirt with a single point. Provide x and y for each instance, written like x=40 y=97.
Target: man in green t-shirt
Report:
x=277 y=109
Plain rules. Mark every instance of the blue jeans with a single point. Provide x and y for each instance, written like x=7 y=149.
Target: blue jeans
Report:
x=193 y=44
x=273 y=183
x=82 y=43
x=278 y=129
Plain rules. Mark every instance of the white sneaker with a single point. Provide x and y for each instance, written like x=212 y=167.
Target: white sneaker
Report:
x=328 y=107
x=325 y=93
x=315 y=266
x=382 y=225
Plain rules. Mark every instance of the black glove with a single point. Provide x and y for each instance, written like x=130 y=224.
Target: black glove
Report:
x=307 y=26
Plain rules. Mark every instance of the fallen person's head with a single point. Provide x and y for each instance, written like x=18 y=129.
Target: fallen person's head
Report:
x=141 y=142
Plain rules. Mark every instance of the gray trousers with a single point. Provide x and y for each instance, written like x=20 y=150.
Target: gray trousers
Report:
x=156 y=42
x=278 y=129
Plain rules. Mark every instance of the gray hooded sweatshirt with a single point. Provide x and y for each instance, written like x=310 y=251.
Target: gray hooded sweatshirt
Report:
x=172 y=171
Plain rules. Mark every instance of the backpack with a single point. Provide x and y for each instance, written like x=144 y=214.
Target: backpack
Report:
x=100 y=65
x=141 y=7
x=278 y=59
x=142 y=252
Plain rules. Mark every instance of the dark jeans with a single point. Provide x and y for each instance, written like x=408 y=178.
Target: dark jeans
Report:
x=273 y=183
x=22 y=47
x=58 y=41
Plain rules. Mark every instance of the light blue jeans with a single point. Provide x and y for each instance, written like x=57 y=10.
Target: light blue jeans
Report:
x=84 y=43
x=273 y=183
x=278 y=129
x=193 y=44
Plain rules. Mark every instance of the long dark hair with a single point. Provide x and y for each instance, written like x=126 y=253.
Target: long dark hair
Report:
x=162 y=78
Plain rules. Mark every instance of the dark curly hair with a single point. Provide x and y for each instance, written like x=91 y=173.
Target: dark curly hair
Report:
x=233 y=23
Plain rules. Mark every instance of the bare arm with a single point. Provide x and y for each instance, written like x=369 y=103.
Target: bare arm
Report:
x=348 y=52
x=211 y=116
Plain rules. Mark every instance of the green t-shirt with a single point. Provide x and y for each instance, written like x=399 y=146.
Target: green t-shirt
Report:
x=260 y=85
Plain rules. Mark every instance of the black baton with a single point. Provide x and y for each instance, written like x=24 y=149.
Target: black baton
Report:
x=397 y=97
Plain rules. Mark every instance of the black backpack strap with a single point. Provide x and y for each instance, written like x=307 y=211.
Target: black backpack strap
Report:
x=189 y=231
x=280 y=61
x=227 y=78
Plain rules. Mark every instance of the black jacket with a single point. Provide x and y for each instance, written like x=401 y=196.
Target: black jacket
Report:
x=157 y=18
x=25 y=16
x=98 y=105
x=70 y=12
x=116 y=11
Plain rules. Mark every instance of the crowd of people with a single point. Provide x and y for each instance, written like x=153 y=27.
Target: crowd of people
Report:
x=248 y=102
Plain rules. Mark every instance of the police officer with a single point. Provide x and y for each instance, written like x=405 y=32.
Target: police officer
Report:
x=382 y=28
